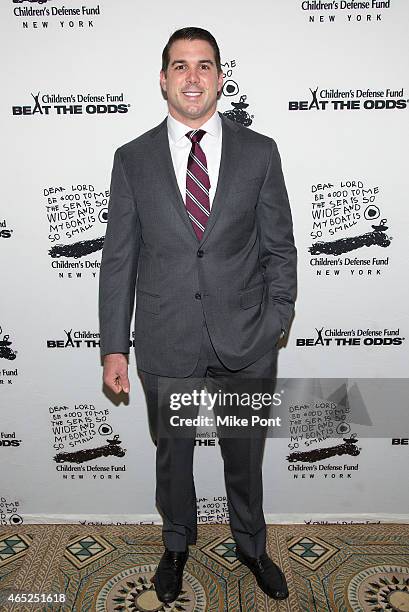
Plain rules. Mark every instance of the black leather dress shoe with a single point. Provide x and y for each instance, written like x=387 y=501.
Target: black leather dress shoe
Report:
x=269 y=576
x=169 y=575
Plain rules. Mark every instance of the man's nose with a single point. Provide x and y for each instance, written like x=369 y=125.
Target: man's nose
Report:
x=193 y=76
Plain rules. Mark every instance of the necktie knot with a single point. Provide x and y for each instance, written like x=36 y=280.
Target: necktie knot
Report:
x=196 y=135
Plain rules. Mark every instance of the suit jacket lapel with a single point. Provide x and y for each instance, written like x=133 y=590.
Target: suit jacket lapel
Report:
x=166 y=173
x=229 y=162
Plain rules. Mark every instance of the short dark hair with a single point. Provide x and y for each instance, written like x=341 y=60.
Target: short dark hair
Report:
x=191 y=34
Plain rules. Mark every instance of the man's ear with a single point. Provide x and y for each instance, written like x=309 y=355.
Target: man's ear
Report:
x=220 y=83
x=162 y=79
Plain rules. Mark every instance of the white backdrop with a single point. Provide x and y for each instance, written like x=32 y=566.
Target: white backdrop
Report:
x=329 y=83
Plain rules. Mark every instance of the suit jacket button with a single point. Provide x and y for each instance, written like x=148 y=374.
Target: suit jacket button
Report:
x=198 y=296
x=200 y=253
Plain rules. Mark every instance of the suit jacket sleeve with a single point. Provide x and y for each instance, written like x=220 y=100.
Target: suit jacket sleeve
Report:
x=278 y=255
x=119 y=264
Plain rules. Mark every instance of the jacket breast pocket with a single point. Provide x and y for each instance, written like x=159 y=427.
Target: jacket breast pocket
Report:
x=252 y=297
x=149 y=302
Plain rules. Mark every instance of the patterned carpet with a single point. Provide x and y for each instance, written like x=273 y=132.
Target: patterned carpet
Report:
x=106 y=568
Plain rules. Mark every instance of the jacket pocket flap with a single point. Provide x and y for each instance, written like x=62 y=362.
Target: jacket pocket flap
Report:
x=252 y=297
x=148 y=301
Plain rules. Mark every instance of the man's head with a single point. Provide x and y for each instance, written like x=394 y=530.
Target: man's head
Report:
x=191 y=76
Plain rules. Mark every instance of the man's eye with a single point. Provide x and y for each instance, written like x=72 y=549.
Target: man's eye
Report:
x=205 y=66
x=180 y=66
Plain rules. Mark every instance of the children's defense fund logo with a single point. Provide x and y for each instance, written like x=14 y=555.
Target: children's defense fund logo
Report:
x=81 y=434
x=348 y=447
x=75 y=339
x=364 y=11
x=400 y=442
x=314 y=423
x=9 y=512
x=76 y=215
x=5 y=231
x=328 y=99
x=336 y=337
x=7 y=354
x=349 y=232
x=43 y=105
x=9 y=439
x=239 y=111
x=31 y=1
x=78 y=339
x=33 y=15
x=6 y=347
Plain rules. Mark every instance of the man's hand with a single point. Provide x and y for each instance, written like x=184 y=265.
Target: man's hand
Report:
x=116 y=372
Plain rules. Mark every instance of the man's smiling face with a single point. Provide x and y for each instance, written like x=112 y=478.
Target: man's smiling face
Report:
x=191 y=82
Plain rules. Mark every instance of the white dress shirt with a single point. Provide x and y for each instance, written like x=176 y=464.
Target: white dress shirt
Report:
x=180 y=146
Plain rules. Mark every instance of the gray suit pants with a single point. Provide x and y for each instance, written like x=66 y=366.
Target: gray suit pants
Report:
x=175 y=489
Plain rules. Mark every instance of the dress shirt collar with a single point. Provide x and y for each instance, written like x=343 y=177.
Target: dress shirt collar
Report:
x=178 y=130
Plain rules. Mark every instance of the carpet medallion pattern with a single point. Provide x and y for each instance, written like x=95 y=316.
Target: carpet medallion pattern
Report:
x=342 y=568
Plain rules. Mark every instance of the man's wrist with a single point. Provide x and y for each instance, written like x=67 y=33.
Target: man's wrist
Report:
x=108 y=356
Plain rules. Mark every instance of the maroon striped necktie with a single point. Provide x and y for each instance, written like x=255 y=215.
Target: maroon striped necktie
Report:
x=197 y=184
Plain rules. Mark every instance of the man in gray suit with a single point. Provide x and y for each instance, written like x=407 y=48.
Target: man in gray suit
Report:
x=199 y=228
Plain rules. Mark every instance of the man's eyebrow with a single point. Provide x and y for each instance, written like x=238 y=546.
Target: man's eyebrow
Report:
x=182 y=61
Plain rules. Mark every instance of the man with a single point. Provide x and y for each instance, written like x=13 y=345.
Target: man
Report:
x=199 y=217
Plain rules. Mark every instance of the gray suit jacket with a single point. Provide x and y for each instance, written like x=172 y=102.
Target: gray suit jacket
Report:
x=241 y=275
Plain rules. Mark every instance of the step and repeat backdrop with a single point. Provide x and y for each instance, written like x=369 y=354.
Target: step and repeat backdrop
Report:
x=329 y=82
